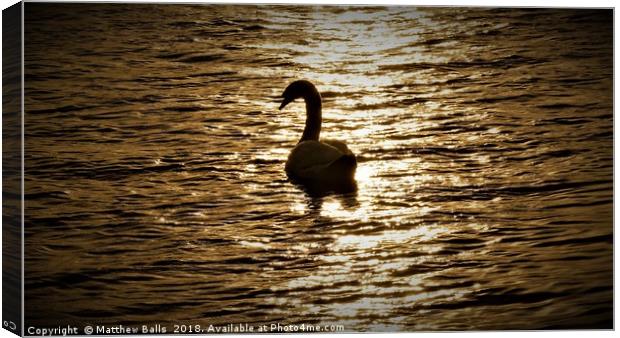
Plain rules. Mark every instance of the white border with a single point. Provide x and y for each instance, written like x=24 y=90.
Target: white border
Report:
x=484 y=3
x=464 y=3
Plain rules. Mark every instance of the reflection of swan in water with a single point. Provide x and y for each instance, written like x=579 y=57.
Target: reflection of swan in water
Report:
x=320 y=166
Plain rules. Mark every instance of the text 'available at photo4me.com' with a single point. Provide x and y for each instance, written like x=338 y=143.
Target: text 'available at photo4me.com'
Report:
x=69 y=330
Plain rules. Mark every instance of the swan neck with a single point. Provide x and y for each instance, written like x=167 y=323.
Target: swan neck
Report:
x=313 y=117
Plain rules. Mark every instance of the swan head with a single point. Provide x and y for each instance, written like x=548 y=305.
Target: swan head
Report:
x=297 y=89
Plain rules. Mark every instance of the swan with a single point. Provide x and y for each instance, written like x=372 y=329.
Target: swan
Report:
x=327 y=165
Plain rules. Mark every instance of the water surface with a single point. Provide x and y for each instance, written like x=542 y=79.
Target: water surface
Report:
x=155 y=189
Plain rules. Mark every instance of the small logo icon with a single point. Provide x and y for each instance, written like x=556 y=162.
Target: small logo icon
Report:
x=88 y=329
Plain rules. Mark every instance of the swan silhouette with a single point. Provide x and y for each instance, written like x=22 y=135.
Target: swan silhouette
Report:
x=321 y=166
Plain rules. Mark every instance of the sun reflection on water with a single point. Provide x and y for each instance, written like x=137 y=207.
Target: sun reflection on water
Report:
x=389 y=260
x=423 y=233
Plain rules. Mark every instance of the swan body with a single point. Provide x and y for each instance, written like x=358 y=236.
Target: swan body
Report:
x=318 y=164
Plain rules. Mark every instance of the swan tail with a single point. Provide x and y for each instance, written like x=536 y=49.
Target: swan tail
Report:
x=344 y=167
x=348 y=160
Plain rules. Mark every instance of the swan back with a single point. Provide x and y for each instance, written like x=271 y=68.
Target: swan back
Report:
x=322 y=166
x=309 y=157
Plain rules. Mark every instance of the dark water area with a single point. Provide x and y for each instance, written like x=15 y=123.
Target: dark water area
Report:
x=155 y=150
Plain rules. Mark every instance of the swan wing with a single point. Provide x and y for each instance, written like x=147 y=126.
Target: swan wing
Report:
x=310 y=157
x=341 y=146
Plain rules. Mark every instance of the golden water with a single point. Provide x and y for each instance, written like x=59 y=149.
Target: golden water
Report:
x=155 y=189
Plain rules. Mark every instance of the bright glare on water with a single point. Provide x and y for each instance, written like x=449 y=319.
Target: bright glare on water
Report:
x=155 y=151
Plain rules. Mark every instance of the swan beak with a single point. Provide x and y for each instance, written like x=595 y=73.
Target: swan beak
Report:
x=285 y=102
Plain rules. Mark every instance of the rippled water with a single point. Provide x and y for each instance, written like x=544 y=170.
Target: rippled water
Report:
x=155 y=184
